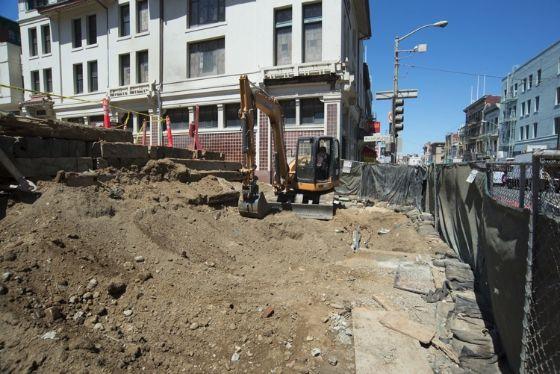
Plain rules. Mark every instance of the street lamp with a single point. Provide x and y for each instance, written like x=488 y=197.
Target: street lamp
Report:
x=420 y=48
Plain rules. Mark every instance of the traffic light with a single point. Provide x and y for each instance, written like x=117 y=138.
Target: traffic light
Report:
x=398 y=114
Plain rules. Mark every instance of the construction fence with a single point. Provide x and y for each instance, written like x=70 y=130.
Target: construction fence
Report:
x=504 y=221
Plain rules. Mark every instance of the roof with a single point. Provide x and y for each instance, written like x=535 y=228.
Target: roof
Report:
x=533 y=58
x=486 y=99
x=67 y=4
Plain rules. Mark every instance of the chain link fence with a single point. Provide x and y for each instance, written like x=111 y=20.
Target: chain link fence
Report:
x=541 y=332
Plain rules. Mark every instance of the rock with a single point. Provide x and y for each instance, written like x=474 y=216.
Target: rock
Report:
x=92 y=284
x=116 y=289
x=54 y=313
x=128 y=265
x=102 y=311
x=133 y=351
x=96 y=294
x=139 y=258
x=127 y=312
x=82 y=343
x=87 y=296
x=3 y=289
x=144 y=276
x=210 y=264
x=338 y=231
x=73 y=299
x=315 y=352
x=194 y=326
x=333 y=360
x=184 y=254
x=98 y=326
x=383 y=231
x=6 y=276
x=59 y=243
x=79 y=316
x=49 y=335
x=267 y=312
x=235 y=357
x=337 y=306
x=427 y=216
x=73 y=236
x=309 y=338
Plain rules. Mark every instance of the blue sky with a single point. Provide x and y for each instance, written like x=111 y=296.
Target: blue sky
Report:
x=486 y=37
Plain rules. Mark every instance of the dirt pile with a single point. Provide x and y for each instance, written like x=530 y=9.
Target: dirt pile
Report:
x=133 y=273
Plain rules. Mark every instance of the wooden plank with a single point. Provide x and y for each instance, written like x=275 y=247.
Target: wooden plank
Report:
x=24 y=126
x=399 y=322
x=381 y=350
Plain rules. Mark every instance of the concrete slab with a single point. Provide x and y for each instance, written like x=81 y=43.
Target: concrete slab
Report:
x=381 y=350
x=208 y=164
x=159 y=152
x=119 y=150
x=230 y=176
x=44 y=167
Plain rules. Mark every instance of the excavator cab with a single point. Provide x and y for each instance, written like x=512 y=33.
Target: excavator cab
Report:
x=317 y=164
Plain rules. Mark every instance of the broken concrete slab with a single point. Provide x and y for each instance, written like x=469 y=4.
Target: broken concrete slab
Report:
x=400 y=322
x=44 y=167
x=24 y=126
x=381 y=350
x=119 y=150
x=208 y=164
x=158 y=152
x=35 y=147
x=7 y=144
x=230 y=176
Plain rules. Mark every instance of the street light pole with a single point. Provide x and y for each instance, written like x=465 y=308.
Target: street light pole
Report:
x=398 y=39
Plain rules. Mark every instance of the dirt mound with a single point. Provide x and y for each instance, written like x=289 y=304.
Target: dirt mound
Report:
x=132 y=274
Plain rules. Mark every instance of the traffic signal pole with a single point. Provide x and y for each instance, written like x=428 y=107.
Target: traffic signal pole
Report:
x=395 y=95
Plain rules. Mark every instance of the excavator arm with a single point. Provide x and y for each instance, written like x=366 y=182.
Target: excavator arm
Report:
x=253 y=98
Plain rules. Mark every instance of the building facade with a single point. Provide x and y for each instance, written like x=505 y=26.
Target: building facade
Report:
x=151 y=57
x=479 y=134
x=451 y=149
x=10 y=65
x=530 y=114
x=434 y=153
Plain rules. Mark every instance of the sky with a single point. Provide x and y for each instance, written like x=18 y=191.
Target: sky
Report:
x=483 y=37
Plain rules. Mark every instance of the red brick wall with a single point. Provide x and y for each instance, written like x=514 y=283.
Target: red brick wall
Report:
x=263 y=139
x=228 y=143
x=332 y=120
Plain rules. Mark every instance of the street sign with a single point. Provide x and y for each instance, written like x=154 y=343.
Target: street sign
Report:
x=403 y=94
x=377 y=138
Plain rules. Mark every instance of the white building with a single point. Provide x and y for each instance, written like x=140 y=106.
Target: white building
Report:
x=10 y=65
x=309 y=54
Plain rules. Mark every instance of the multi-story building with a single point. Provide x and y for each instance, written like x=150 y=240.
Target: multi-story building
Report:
x=167 y=57
x=10 y=65
x=479 y=134
x=434 y=153
x=451 y=148
x=530 y=114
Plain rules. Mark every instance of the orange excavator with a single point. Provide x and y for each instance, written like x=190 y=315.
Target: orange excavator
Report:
x=299 y=184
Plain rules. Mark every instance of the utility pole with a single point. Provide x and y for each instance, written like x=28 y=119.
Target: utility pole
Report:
x=395 y=95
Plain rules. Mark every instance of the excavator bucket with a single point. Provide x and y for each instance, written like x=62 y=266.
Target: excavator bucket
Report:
x=254 y=208
x=323 y=212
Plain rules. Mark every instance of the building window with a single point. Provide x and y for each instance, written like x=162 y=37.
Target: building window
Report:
x=206 y=58
x=522 y=109
x=179 y=118
x=515 y=90
x=556 y=125
x=124 y=22
x=524 y=85
x=124 y=70
x=34 y=4
x=232 y=115
x=289 y=111
x=312 y=111
x=557 y=102
x=92 y=76
x=530 y=81
x=202 y=12
x=539 y=77
x=46 y=33
x=535 y=128
x=527 y=132
x=528 y=107
x=35 y=82
x=537 y=103
x=283 y=36
x=78 y=78
x=33 y=42
x=142 y=16
x=208 y=116
x=47 y=80
x=76 y=33
x=142 y=67
x=312 y=32
x=92 y=29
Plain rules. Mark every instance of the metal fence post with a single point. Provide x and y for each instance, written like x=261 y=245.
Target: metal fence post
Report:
x=531 y=251
x=436 y=194
x=522 y=184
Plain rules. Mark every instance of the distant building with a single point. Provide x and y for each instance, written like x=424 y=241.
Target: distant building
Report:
x=10 y=65
x=434 y=153
x=530 y=110
x=451 y=148
x=479 y=135
x=155 y=58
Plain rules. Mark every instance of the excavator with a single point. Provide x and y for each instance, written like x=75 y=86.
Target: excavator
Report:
x=299 y=184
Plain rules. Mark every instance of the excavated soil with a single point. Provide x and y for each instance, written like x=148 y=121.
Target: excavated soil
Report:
x=132 y=275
